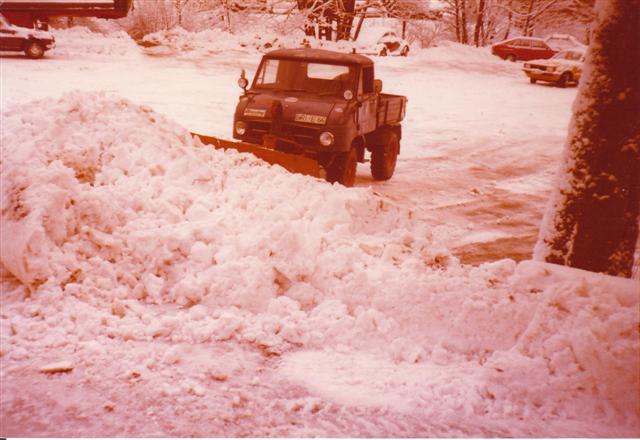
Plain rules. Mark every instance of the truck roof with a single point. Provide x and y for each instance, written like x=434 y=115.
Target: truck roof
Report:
x=319 y=56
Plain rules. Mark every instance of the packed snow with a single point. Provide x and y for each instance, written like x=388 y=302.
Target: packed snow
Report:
x=153 y=286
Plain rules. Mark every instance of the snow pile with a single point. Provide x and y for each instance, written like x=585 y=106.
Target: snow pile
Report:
x=217 y=40
x=119 y=229
x=104 y=198
x=80 y=41
x=573 y=356
x=582 y=340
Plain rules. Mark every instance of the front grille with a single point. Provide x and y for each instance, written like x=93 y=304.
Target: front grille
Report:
x=300 y=134
x=297 y=133
x=256 y=129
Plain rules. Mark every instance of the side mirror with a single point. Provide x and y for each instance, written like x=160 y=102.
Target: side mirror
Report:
x=243 y=82
x=377 y=86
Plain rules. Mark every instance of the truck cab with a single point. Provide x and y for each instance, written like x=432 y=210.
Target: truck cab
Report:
x=324 y=105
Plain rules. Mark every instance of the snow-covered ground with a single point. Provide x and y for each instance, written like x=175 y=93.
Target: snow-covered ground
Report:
x=152 y=286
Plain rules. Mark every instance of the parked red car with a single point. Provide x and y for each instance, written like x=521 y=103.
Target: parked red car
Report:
x=523 y=48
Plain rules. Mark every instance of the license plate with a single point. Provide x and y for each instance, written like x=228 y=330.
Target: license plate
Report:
x=310 y=119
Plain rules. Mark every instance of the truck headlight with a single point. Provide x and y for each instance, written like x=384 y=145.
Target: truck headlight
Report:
x=326 y=138
x=241 y=127
x=551 y=68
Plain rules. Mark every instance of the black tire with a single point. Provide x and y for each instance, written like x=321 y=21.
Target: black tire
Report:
x=383 y=52
x=532 y=80
x=405 y=51
x=34 y=50
x=511 y=57
x=564 y=80
x=343 y=168
x=384 y=158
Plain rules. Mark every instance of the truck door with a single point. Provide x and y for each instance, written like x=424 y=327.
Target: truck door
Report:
x=367 y=113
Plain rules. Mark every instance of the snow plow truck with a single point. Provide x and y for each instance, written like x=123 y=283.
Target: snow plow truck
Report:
x=318 y=112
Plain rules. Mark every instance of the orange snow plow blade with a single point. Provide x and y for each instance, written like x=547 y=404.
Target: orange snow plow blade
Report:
x=291 y=162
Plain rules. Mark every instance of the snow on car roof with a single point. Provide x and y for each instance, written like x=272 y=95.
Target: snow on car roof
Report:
x=372 y=34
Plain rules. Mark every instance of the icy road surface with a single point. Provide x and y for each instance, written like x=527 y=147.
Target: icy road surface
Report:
x=480 y=144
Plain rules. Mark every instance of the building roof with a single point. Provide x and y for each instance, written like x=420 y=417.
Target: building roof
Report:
x=319 y=56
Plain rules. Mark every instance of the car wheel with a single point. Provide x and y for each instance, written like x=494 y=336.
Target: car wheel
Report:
x=343 y=168
x=511 y=57
x=384 y=158
x=383 y=52
x=34 y=50
x=564 y=80
x=532 y=80
x=405 y=51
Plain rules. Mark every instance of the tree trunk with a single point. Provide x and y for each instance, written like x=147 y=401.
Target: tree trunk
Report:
x=479 y=20
x=593 y=217
x=345 y=19
x=506 y=33
x=527 y=24
x=457 y=18
x=464 y=37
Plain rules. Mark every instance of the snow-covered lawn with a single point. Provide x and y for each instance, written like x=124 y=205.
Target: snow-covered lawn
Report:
x=183 y=291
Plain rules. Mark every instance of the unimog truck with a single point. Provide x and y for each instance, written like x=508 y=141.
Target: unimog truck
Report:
x=323 y=105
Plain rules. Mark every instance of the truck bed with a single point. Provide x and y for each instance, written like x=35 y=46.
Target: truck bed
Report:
x=391 y=109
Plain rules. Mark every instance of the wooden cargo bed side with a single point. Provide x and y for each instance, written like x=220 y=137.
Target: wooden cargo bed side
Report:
x=390 y=109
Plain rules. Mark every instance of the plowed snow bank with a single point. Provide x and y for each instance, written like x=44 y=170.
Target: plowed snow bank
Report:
x=105 y=198
x=119 y=227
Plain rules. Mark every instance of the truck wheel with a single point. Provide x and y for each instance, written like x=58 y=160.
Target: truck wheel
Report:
x=384 y=158
x=383 y=52
x=34 y=50
x=405 y=51
x=343 y=168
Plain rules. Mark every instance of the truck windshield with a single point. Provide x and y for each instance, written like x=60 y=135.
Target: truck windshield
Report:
x=301 y=76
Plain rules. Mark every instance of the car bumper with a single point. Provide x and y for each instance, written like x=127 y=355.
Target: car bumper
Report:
x=542 y=75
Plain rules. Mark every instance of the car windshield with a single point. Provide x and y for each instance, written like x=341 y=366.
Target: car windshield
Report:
x=301 y=76
x=568 y=55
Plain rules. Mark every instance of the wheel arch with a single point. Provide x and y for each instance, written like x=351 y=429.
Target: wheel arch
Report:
x=359 y=144
x=381 y=136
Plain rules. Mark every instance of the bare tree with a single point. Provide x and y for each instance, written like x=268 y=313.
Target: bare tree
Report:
x=179 y=6
x=536 y=16
x=464 y=35
x=456 y=10
x=478 y=32
x=592 y=219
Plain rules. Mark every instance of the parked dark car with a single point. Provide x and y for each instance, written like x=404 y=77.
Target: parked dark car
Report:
x=523 y=48
x=34 y=43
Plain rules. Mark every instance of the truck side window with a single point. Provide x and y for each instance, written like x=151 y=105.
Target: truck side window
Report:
x=367 y=80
